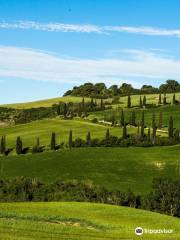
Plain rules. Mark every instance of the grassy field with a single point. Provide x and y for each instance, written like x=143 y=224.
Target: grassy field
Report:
x=43 y=129
x=76 y=221
x=114 y=168
x=151 y=99
x=44 y=103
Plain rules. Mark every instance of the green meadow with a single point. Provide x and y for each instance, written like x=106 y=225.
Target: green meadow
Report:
x=114 y=168
x=44 y=128
x=76 y=221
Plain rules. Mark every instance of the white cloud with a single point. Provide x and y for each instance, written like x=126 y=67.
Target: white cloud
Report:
x=89 y=28
x=52 y=27
x=38 y=65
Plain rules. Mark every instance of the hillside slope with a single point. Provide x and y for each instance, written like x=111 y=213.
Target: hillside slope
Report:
x=76 y=221
x=113 y=168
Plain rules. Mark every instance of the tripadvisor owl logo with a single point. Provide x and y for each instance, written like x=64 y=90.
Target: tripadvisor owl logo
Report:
x=138 y=231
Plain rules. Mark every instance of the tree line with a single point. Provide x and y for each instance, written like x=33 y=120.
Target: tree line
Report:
x=162 y=100
x=140 y=138
x=100 y=90
x=163 y=198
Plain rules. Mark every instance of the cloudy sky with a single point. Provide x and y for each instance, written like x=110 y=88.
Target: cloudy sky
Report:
x=47 y=47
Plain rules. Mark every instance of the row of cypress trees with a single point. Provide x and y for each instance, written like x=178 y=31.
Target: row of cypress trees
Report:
x=142 y=101
x=133 y=120
x=140 y=130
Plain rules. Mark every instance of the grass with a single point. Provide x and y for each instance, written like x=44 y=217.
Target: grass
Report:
x=44 y=103
x=76 y=221
x=114 y=168
x=43 y=129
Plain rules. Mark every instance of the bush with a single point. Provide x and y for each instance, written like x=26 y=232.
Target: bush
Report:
x=94 y=120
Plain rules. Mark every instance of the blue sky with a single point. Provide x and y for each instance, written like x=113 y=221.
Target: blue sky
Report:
x=47 y=47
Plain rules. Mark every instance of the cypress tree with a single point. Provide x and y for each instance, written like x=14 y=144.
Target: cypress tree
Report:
x=92 y=103
x=58 y=109
x=176 y=135
x=149 y=135
x=140 y=102
x=129 y=101
x=88 y=139
x=133 y=118
x=160 y=119
x=113 y=120
x=174 y=99
x=153 y=119
x=65 y=110
x=102 y=104
x=83 y=105
x=154 y=133
x=122 y=118
x=107 y=134
x=164 y=100
x=70 y=139
x=171 y=128
x=160 y=100
x=142 y=125
x=53 y=141
x=3 y=145
x=18 y=145
x=144 y=101
x=124 y=131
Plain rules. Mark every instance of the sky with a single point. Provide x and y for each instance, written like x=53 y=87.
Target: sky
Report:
x=50 y=46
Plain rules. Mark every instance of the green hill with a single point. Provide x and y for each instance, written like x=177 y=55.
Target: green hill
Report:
x=113 y=168
x=44 y=128
x=44 y=103
x=76 y=221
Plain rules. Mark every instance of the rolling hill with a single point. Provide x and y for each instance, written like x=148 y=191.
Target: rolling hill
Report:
x=76 y=221
x=114 y=168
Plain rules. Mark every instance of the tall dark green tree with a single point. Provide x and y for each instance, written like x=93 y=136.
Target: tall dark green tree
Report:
x=154 y=133
x=177 y=135
x=58 y=109
x=88 y=139
x=142 y=125
x=65 y=110
x=70 y=139
x=164 y=100
x=107 y=134
x=102 y=104
x=153 y=119
x=53 y=141
x=133 y=118
x=144 y=101
x=83 y=105
x=19 y=147
x=124 y=131
x=113 y=120
x=149 y=135
x=171 y=128
x=92 y=103
x=3 y=145
x=140 y=102
x=174 y=99
x=160 y=120
x=129 y=101
x=122 y=118
x=160 y=100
